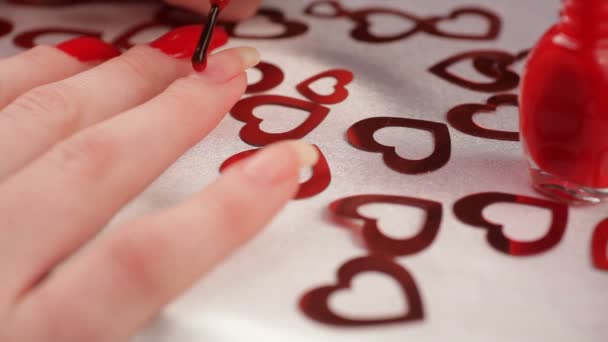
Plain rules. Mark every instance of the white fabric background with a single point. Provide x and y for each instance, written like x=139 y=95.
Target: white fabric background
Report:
x=470 y=291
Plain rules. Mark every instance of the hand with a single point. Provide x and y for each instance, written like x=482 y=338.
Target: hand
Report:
x=237 y=10
x=78 y=142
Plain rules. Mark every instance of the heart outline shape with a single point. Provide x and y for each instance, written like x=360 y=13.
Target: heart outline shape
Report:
x=315 y=303
x=469 y=210
x=272 y=77
x=339 y=10
x=6 y=27
x=361 y=32
x=431 y=25
x=292 y=28
x=319 y=182
x=598 y=246
x=361 y=136
x=175 y=17
x=461 y=117
x=27 y=39
x=343 y=78
x=253 y=135
x=492 y=68
x=505 y=78
x=123 y=40
x=376 y=241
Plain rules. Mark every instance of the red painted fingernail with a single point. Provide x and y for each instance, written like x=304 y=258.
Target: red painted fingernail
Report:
x=89 y=49
x=181 y=42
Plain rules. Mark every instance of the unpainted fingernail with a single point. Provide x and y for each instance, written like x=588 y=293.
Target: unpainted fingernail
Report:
x=307 y=154
x=250 y=57
x=268 y=167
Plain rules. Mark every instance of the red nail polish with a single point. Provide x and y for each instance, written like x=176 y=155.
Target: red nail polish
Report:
x=89 y=49
x=564 y=107
x=181 y=42
x=220 y=3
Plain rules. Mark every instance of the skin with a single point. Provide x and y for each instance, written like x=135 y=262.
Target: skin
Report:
x=237 y=10
x=71 y=137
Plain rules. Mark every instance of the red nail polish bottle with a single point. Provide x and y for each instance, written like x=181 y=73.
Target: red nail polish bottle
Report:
x=564 y=105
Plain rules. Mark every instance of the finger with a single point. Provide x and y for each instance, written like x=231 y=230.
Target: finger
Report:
x=150 y=261
x=50 y=113
x=45 y=64
x=100 y=169
x=236 y=10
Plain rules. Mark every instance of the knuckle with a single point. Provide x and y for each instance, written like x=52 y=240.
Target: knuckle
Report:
x=229 y=212
x=136 y=63
x=49 y=105
x=38 y=56
x=185 y=97
x=136 y=262
x=87 y=156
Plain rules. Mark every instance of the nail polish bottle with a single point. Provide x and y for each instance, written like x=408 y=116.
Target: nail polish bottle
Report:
x=564 y=105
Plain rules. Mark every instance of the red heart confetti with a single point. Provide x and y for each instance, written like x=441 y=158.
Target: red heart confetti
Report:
x=6 y=27
x=315 y=303
x=461 y=118
x=493 y=63
x=252 y=134
x=338 y=10
x=492 y=31
x=343 y=79
x=361 y=136
x=291 y=28
x=470 y=211
x=375 y=240
x=272 y=77
x=599 y=246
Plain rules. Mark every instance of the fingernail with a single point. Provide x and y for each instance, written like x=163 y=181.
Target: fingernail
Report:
x=181 y=42
x=250 y=57
x=307 y=154
x=89 y=49
x=227 y=64
x=271 y=164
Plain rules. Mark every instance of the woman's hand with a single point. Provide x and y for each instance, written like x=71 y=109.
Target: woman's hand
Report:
x=237 y=10
x=78 y=142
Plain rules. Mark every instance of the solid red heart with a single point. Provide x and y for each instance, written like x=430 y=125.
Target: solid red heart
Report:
x=314 y=9
x=599 y=246
x=461 y=118
x=497 y=67
x=27 y=39
x=342 y=77
x=272 y=76
x=6 y=27
x=253 y=134
x=361 y=136
x=432 y=25
x=470 y=211
x=291 y=28
x=315 y=303
x=362 y=30
x=320 y=180
x=375 y=240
